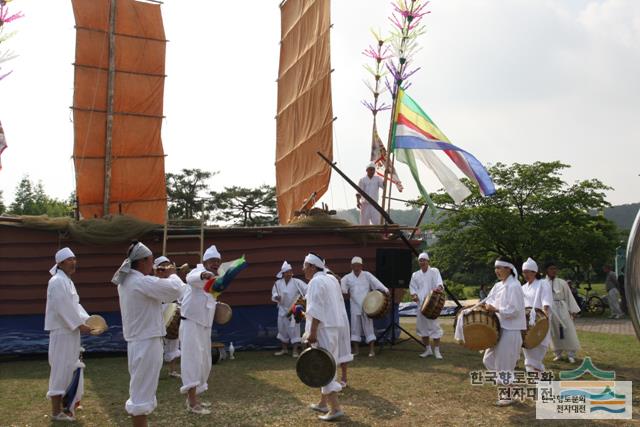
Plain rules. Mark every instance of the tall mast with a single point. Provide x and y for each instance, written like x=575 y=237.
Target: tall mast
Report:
x=110 y=85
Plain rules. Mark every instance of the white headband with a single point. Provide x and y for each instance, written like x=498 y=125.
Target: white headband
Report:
x=356 y=260
x=139 y=251
x=61 y=255
x=160 y=260
x=285 y=267
x=423 y=255
x=314 y=260
x=212 y=252
x=499 y=263
x=530 y=265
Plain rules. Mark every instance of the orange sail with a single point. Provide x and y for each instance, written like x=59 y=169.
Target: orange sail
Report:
x=117 y=109
x=304 y=111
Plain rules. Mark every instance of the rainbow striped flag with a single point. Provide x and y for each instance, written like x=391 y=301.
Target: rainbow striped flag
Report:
x=415 y=135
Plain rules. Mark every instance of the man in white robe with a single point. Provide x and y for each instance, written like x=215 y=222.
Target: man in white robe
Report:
x=358 y=284
x=326 y=316
x=285 y=292
x=506 y=299
x=344 y=337
x=537 y=293
x=564 y=336
x=64 y=319
x=370 y=184
x=423 y=282
x=141 y=296
x=198 y=309
x=164 y=268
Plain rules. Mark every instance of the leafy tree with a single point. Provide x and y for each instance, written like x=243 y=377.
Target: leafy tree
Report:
x=186 y=192
x=30 y=199
x=245 y=207
x=2 y=206
x=533 y=213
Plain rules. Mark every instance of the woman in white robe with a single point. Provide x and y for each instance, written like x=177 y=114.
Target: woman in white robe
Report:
x=537 y=293
x=197 y=310
x=507 y=301
x=141 y=296
x=564 y=336
x=64 y=319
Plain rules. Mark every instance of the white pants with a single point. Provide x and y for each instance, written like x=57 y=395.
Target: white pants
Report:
x=286 y=332
x=368 y=214
x=504 y=356
x=64 y=353
x=362 y=324
x=145 y=363
x=329 y=339
x=171 y=349
x=344 y=346
x=614 y=302
x=195 y=364
x=533 y=357
x=428 y=328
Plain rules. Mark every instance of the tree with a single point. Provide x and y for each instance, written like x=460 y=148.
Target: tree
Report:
x=245 y=207
x=533 y=213
x=2 y=206
x=30 y=199
x=186 y=192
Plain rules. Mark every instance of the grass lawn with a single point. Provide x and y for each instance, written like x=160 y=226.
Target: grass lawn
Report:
x=394 y=388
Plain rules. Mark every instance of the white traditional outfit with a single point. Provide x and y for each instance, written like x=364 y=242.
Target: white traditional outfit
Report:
x=563 y=331
x=198 y=308
x=141 y=298
x=536 y=294
x=325 y=303
x=288 y=293
x=171 y=347
x=422 y=284
x=371 y=186
x=613 y=295
x=63 y=316
x=358 y=286
x=344 y=336
x=508 y=298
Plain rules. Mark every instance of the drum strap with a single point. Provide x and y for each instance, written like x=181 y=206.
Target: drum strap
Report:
x=298 y=288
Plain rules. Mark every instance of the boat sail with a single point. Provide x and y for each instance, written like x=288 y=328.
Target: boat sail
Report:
x=117 y=109
x=304 y=110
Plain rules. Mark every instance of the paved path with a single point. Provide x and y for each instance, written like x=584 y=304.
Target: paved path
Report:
x=605 y=325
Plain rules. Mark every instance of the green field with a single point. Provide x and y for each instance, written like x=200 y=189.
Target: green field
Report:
x=395 y=388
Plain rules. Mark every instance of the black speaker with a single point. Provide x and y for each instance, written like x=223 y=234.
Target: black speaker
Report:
x=393 y=267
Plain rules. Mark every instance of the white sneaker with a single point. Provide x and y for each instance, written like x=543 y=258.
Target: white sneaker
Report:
x=62 y=417
x=174 y=374
x=428 y=352
x=504 y=402
x=572 y=360
x=280 y=353
x=555 y=359
x=436 y=353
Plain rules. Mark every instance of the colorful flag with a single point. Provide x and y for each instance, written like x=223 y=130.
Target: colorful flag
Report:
x=416 y=135
x=226 y=273
x=379 y=157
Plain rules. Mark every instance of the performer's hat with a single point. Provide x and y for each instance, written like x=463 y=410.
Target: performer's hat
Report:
x=210 y=253
x=356 y=260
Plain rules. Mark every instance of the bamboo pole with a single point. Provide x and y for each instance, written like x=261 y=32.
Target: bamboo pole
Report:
x=110 y=90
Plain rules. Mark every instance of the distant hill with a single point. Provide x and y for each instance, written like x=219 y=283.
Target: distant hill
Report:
x=622 y=215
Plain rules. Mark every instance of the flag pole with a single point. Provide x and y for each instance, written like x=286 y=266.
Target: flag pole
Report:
x=406 y=19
